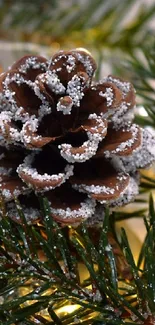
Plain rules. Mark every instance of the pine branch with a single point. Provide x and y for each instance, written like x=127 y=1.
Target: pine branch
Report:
x=54 y=281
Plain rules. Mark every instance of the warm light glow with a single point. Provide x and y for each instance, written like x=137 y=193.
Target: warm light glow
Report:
x=68 y=309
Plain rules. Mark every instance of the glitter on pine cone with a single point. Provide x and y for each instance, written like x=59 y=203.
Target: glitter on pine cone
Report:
x=68 y=137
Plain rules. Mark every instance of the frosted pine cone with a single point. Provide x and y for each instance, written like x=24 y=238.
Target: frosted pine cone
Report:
x=68 y=137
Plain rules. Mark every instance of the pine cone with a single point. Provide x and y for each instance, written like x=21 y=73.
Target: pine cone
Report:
x=69 y=138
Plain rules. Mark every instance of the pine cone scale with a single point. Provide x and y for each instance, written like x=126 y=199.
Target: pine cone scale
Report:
x=31 y=66
x=17 y=90
x=69 y=206
x=101 y=99
x=11 y=187
x=121 y=142
x=68 y=63
x=92 y=179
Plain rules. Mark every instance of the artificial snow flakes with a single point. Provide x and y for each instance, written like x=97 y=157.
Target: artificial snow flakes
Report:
x=69 y=138
x=53 y=83
x=108 y=94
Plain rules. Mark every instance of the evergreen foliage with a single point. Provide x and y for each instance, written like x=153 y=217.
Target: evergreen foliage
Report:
x=108 y=294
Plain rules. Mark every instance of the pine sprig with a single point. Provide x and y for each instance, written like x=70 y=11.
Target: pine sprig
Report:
x=54 y=281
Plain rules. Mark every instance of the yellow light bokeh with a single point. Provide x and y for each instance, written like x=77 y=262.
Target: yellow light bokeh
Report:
x=68 y=309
